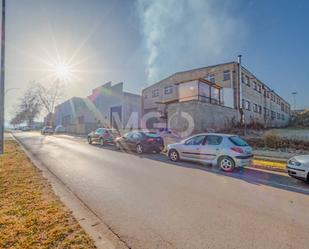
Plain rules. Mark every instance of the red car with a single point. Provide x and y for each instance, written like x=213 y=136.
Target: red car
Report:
x=102 y=136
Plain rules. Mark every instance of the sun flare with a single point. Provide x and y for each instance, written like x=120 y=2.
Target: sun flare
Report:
x=63 y=71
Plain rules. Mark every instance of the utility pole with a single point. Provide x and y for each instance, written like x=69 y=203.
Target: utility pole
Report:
x=294 y=99
x=2 y=79
x=240 y=96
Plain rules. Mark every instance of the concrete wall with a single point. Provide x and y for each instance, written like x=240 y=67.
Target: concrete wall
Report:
x=73 y=108
x=206 y=116
x=108 y=96
x=76 y=116
x=132 y=109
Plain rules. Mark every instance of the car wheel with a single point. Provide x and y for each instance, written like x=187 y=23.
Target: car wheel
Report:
x=139 y=149
x=101 y=141
x=173 y=155
x=226 y=164
x=89 y=140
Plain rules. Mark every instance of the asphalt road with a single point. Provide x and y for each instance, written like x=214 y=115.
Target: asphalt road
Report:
x=152 y=203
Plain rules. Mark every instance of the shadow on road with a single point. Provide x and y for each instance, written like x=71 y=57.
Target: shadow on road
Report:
x=250 y=175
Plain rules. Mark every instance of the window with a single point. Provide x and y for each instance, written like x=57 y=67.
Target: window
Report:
x=255 y=86
x=212 y=78
x=242 y=78
x=145 y=95
x=273 y=115
x=213 y=140
x=278 y=115
x=188 y=91
x=226 y=75
x=282 y=116
x=99 y=131
x=259 y=88
x=197 y=140
x=127 y=135
x=155 y=93
x=247 y=80
x=260 y=109
x=215 y=95
x=282 y=107
x=168 y=90
x=137 y=136
x=246 y=105
x=204 y=92
x=238 y=141
x=255 y=107
x=266 y=112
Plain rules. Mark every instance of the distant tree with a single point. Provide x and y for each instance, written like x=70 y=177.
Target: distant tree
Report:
x=37 y=99
x=28 y=108
x=49 y=95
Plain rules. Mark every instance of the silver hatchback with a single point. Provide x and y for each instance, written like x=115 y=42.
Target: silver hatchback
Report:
x=225 y=151
x=298 y=167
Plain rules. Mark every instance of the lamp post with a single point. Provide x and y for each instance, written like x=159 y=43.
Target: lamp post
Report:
x=10 y=89
x=294 y=99
x=2 y=79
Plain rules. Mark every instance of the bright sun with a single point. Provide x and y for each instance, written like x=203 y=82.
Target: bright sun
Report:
x=63 y=71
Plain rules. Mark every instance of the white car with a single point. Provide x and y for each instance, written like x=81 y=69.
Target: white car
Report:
x=226 y=151
x=298 y=167
x=59 y=129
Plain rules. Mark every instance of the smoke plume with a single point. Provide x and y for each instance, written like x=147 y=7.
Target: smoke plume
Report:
x=182 y=34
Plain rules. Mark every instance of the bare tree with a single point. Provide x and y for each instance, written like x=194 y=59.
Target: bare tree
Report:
x=49 y=97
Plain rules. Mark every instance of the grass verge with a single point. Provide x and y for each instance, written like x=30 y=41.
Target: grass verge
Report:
x=31 y=215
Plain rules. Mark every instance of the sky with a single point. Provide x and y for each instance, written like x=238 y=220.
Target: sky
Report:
x=139 y=42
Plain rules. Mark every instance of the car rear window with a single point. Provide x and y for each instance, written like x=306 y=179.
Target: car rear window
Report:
x=151 y=134
x=114 y=132
x=238 y=141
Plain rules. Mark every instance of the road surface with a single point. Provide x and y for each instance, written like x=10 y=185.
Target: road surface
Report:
x=150 y=202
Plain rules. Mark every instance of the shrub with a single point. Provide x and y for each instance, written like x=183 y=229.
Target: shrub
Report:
x=272 y=140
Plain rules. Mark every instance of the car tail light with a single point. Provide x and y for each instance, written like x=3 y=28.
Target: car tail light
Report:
x=237 y=149
x=151 y=140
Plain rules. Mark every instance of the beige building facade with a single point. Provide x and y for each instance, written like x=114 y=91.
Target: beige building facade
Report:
x=220 y=88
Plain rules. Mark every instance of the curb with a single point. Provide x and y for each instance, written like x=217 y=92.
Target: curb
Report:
x=278 y=165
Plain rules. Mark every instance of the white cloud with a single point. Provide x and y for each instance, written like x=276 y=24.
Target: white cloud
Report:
x=181 y=34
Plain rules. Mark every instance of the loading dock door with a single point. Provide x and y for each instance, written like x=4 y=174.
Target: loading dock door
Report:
x=116 y=117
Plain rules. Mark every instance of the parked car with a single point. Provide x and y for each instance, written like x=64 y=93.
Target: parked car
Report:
x=102 y=136
x=25 y=128
x=298 y=167
x=59 y=129
x=47 y=130
x=140 y=142
x=225 y=151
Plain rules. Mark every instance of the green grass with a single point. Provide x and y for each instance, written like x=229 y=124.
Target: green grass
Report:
x=31 y=215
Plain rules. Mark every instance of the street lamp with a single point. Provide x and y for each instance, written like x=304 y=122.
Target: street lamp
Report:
x=2 y=79
x=294 y=99
x=10 y=89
